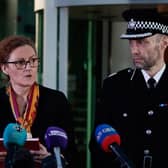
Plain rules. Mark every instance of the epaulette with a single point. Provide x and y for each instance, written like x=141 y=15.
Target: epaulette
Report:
x=127 y=71
x=112 y=74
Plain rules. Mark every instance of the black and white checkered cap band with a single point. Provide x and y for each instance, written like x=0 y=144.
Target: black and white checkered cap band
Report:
x=139 y=29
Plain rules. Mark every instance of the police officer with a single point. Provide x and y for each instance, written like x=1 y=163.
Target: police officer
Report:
x=136 y=108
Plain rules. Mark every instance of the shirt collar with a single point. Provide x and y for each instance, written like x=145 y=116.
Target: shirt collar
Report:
x=157 y=76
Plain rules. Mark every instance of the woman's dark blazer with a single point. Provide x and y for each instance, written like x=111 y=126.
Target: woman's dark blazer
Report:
x=53 y=110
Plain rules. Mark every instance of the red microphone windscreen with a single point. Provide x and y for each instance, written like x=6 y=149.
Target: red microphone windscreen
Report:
x=115 y=138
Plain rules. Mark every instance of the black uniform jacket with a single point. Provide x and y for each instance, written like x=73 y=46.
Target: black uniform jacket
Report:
x=139 y=116
x=53 y=110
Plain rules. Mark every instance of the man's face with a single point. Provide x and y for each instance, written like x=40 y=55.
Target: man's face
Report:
x=146 y=52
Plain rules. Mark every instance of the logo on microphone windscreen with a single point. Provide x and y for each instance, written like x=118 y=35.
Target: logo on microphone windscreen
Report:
x=106 y=135
x=14 y=134
x=56 y=137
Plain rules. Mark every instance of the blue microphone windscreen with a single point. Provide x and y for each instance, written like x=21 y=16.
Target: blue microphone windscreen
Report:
x=14 y=134
x=56 y=137
x=102 y=131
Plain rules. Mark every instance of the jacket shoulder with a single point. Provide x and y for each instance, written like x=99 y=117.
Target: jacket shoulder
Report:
x=49 y=90
x=122 y=74
x=52 y=93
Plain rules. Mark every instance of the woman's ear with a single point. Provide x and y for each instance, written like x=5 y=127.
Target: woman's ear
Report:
x=4 y=69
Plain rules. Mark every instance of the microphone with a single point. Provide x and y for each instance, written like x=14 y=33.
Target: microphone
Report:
x=110 y=141
x=56 y=139
x=14 y=137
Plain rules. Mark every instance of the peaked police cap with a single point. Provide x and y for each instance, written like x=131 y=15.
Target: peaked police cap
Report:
x=144 y=23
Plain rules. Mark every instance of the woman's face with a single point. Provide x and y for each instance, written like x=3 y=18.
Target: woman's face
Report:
x=21 y=73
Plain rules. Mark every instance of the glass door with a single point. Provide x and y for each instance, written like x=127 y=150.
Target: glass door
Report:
x=84 y=52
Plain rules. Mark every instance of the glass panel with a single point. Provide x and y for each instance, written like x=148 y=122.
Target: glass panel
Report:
x=84 y=50
x=39 y=42
x=25 y=22
x=77 y=82
x=16 y=17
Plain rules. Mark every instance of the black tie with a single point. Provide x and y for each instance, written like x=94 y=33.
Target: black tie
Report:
x=151 y=83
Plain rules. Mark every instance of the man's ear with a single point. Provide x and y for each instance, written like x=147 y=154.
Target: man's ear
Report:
x=165 y=41
x=4 y=69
